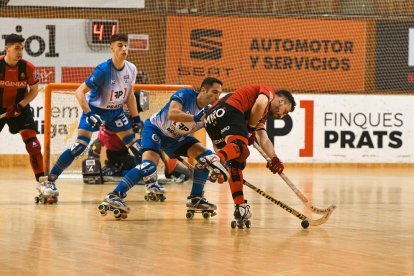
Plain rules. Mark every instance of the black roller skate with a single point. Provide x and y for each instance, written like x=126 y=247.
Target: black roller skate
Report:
x=48 y=193
x=155 y=192
x=198 y=204
x=242 y=215
x=212 y=163
x=113 y=202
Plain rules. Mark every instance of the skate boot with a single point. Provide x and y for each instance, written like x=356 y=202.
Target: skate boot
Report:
x=213 y=164
x=242 y=215
x=113 y=202
x=155 y=192
x=199 y=204
x=48 y=193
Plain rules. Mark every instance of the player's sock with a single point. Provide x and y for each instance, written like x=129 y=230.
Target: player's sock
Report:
x=199 y=179
x=236 y=185
x=128 y=181
x=64 y=161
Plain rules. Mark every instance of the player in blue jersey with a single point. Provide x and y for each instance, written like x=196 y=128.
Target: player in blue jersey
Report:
x=110 y=86
x=169 y=130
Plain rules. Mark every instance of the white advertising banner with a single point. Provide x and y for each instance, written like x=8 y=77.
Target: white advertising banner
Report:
x=137 y=4
x=323 y=128
x=345 y=129
x=52 y=44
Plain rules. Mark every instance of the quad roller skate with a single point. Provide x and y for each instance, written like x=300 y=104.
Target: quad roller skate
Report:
x=198 y=204
x=113 y=202
x=48 y=193
x=242 y=215
x=155 y=192
x=212 y=163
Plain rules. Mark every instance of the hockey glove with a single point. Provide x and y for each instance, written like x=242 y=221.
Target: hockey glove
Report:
x=14 y=111
x=275 y=165
x=200 y=115
x=94 y=120
x=137 y=124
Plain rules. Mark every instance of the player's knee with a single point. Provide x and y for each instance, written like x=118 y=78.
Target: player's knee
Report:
x=79 y=146
x=33 y=146
x=244 y=150
x=148 y=171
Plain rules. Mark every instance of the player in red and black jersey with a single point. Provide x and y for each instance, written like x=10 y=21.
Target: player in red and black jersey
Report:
x=235 y=121
x=16 y=75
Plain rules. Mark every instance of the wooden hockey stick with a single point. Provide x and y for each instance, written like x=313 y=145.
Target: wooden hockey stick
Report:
x=305 y=220
x=302 y=197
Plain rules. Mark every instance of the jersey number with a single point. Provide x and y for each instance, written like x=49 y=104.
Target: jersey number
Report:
x=121 y=122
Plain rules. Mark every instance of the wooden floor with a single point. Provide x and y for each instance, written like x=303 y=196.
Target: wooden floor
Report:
x=370 y=233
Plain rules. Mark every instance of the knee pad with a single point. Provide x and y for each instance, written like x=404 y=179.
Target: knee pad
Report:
x=80 y=145
x=33 y=146
x=95 y=149
x=135 y=147
x=148 y=171
x=244 y=150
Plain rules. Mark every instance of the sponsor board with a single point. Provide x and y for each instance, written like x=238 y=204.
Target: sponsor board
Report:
x=297 y=54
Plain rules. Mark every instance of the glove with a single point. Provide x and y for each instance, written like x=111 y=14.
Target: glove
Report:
x=94 y=120
x=198 y=117
x=275 y=165
x=137 y=124
x=14 y=111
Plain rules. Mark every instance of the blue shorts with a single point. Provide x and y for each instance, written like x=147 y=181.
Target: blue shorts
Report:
x=153 y=139
x=115 y=120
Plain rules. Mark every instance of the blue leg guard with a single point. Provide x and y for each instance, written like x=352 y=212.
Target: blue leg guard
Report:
x=67 y=157
x=128 y=181
x=200 y=177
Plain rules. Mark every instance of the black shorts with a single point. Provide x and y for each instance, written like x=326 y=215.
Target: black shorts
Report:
x=22 y=122
x=223 y=120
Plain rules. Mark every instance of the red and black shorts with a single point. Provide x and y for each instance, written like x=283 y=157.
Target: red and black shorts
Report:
x=22 y=122
x=223 y=120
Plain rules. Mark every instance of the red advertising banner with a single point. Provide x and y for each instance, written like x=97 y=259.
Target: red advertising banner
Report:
x=298 y=54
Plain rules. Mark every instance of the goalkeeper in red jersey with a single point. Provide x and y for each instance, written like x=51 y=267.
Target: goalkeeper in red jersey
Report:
x=234 y=122
x=19 y=87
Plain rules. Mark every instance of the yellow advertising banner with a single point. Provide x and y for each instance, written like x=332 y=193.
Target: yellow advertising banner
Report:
x=311 y=55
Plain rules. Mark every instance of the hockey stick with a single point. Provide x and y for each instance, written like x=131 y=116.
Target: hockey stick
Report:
x=302 y=197
x=305 y=220
x=2 y=116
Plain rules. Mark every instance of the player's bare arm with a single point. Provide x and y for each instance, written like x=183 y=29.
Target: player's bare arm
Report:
x=264 y=142
x=80 y=96
x=176 y=113
x=132 y=105
x=257 y=110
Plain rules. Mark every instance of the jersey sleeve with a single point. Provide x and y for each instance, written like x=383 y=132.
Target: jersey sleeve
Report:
x=97 y=78
x=32 y=74
x=179 y=96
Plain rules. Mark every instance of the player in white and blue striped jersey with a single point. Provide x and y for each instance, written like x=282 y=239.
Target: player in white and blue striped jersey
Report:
x=102 y=97
x=170 y=130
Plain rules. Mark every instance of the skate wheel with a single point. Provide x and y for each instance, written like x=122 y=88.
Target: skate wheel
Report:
x=42 y=200
x=248 y=224
x=189 y=215
x=117 y=213
x=206 y=215
x=213 y=214
x=55 y=200
x=162 y=198
x=146 y=198
x=36 y=199
x=50 y=200
x=102 y=210
x=124 y=215
x=233 y=224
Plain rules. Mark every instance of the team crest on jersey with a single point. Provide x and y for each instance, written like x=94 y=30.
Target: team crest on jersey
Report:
x=126 y=77
x=22 y=75
x=112 y=81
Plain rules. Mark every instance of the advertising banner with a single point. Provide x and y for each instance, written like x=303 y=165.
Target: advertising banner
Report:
x=297 y=54
x=395 y=56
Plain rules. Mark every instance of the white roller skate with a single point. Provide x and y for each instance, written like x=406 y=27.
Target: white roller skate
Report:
x=113 y=202
x=48 y=193
x=213 y=164
x=155 y=192
x=199 y=204
x=242 y=215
